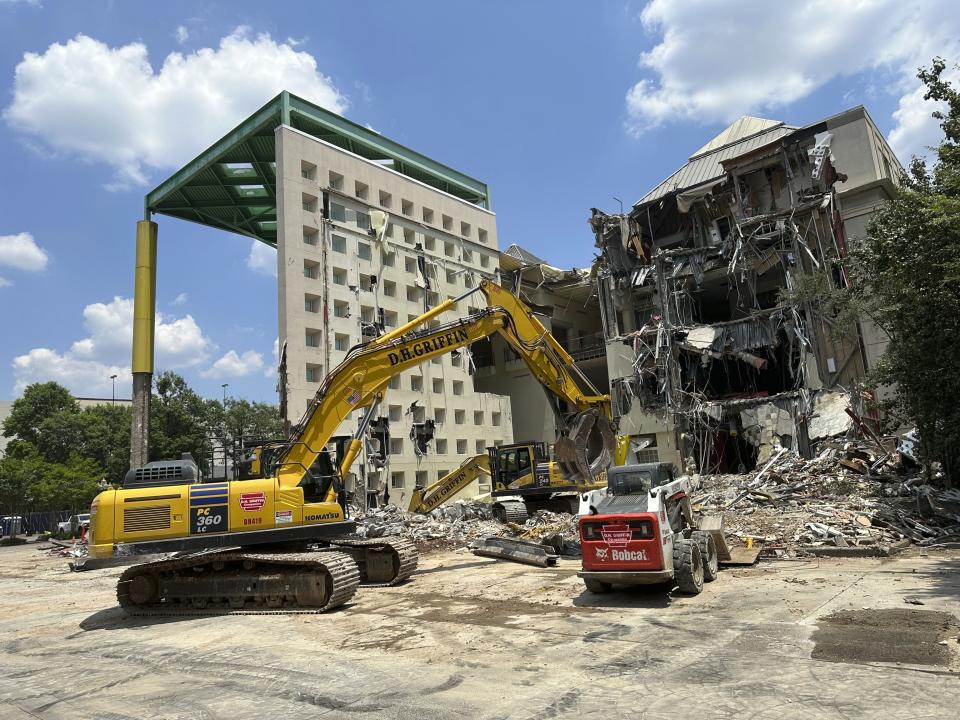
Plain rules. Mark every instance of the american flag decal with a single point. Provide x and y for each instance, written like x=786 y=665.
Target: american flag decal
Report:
x=354 y=397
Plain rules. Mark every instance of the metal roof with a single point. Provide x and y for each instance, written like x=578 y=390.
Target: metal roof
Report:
x=232 y=185
x=525 y=256
x=704 y=166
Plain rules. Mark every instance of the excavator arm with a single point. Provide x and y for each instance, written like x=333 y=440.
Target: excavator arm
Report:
x=426 y=499
x=586 y=444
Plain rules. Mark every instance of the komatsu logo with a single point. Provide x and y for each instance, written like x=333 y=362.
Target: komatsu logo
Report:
x=426 y=347
x=629 y=554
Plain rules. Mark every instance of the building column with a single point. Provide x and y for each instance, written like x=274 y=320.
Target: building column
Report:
x=144 y=312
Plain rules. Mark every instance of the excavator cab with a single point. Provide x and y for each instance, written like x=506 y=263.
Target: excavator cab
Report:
x=514 y=466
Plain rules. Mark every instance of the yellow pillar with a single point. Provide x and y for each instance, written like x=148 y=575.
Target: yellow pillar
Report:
x=144 y=314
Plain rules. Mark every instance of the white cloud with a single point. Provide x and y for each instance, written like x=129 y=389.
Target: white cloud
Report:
x=180 y=299
x=22 y=252
x=232 y=365
x=716 y=61
x=4 y=282
x=262 y=258
x=107 y=104
x=179 y=343
x=181 y=34
x=270 y=371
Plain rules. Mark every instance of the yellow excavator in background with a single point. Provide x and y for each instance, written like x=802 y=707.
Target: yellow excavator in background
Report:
x=283 y=542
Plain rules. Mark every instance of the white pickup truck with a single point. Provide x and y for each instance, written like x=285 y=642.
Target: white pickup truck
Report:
x=73 y=525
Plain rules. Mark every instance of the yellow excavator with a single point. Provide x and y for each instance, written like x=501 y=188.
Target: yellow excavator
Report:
x=283 y=542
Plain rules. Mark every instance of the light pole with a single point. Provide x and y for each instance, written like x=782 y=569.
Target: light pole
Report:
x=113 y=392
x=225 y=386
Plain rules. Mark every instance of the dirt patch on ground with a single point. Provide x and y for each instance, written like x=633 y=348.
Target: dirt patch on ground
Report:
x=914 y=637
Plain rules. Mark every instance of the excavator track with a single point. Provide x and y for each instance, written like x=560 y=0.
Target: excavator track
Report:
x=234 y=582
x=383 y=562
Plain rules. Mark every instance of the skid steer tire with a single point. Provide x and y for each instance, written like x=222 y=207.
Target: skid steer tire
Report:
x=597 y=586
x=688 y=566
x=708 y=553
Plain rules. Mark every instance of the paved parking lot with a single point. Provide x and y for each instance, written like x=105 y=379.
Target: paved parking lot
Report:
x=478 y=638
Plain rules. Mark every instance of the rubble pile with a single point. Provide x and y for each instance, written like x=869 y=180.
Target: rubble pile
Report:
x=849 y=495
x=461 y=523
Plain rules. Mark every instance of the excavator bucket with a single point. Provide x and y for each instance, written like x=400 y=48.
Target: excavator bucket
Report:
x=588 y=447
x=521 y=551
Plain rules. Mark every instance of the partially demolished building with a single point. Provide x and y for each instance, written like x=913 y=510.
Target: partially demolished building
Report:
x=717 y=347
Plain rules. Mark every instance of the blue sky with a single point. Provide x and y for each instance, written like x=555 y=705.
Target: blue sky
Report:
x=558 y=106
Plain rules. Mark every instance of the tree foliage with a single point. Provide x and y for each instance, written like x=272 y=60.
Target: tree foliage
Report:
x=906 y=273
x=61 y=454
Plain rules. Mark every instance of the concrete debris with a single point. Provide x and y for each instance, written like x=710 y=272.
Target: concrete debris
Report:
x=465 y=523
x=849 y=496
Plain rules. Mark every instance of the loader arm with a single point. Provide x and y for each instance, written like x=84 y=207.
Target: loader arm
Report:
x=426 y=499
x=586 y=444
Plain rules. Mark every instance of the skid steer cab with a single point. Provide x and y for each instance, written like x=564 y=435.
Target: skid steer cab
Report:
x=640 y=530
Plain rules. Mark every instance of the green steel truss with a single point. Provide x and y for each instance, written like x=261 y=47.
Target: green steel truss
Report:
x=233 y=184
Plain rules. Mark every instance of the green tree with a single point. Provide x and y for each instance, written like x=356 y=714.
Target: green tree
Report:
x=100 y=433
x=38 y=402
x=178 y=419
x=906 y=274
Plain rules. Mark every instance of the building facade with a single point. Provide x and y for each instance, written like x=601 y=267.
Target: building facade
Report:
x=341 y=283
x=722 y=343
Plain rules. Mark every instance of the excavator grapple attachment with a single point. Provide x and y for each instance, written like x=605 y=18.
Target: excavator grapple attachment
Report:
x=589 y=446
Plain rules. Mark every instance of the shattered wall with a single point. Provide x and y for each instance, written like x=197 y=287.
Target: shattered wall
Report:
x=714 y=338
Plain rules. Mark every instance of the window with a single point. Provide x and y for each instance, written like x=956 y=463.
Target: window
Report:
x=436 y=360
x=427 y=215
x=438 y=386
x=479 y=447
x=309 y=202
x=461 y=447
x=339 y=276
x=361 y=190
x=406 y=207
x=413 y=293
x=465 y=229
x=366 y=313
x=447 y=222
x=341 y=341
x=311 y=303
x=341 y=309
x=396 y=446
x=441 y=474
x=459 y=416
x=311 y=269
x=478 y=417
x=338 y=243
x=363 y=251
x=395 y=413
x=421 y=478
x=396 y=480
x=409 y=236
x=419 y=414
x=394 y=383
x=429 y=242
x=385 y=199
x=388 y=259
x=458 y=387
x=313 y=338
x=336 y=180
x=363 y=220
x=310 y=235
x=338 y=212
x=448 y=249
x=484 y=261
x=389 y=287
x=452 y=277
x=456 y=358
x=411 y=318
x=482 y=235
x=433 y=299
x=468 y=281
x=497 y=443
x=441 y=446
x=467 y=256
x=390 y=319
x=308 y=171
x=416 y=383
x=410 y=264
x=314 y=373
x=439 y=415
x=495 y=419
